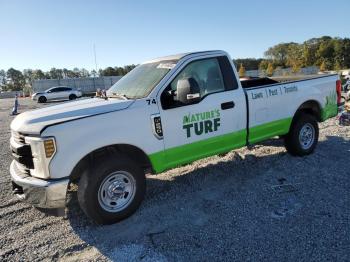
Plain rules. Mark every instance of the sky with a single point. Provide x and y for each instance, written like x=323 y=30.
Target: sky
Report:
x=41 y=34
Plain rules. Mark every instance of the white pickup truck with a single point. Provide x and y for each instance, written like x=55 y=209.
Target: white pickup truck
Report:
x=165 y=113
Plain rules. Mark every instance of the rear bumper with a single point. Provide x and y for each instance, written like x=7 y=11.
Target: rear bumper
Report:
x=38 y=192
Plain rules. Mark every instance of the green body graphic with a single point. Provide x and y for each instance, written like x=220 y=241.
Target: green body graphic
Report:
x=331 y=107
x=188 y=153
x=201 y=123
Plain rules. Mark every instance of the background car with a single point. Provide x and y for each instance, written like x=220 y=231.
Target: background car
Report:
x=57 y=93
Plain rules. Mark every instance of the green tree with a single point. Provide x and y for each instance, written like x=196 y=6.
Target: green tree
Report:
x=295 y=57
x=248 y=63
x=241 y=71
x=28 y=76
x=2 y=80
x=337 y=66
x=68 y=73
x=38 y=74
x=76 y=72
x=56 y=73
x=120 y=71
x=16 y=80
x=270 y=69
x=278 y=54
x=326 y=52
x=345 y=53
x=263 y=65
x=310 y=48
x=128 y=68
x=109 y=71
x=323 y=66
x=84 y=72
x=333 y=52
x=94 y=73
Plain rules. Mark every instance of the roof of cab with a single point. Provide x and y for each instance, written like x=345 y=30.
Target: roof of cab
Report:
x=178 y=56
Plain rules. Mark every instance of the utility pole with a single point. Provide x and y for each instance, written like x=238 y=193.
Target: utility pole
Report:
x=95 y=59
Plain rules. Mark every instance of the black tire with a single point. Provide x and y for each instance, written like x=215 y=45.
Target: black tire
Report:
x=92 y=180
x=292 y=140
x=42 y=99
x=72 y=97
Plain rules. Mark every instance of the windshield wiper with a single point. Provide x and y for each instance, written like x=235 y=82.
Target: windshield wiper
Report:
x=115 y=95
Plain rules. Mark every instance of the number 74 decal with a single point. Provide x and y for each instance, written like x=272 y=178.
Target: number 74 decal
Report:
x=151 y=101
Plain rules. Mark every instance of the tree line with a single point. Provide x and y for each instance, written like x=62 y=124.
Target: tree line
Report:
x=16 y=80
x=325 y=52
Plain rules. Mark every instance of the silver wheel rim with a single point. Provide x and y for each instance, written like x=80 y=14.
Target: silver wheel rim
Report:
x=117 y=191
x=307 y=136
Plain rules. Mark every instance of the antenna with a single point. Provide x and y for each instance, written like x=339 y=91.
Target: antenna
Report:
x=95 y=58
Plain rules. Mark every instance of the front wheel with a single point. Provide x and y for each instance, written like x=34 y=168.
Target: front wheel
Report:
x=72 y=97
x=42 y=99
x=112 y=190
x=303 y=135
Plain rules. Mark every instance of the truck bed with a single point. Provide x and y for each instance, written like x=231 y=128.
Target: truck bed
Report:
x=271 y=103
x=258 y=82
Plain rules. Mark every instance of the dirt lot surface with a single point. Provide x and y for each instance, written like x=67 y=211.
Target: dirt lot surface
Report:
x=257 y=204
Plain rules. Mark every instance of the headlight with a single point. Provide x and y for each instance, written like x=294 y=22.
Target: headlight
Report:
x=43 y=150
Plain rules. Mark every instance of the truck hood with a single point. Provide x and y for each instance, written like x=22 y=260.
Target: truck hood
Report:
x=32 y=122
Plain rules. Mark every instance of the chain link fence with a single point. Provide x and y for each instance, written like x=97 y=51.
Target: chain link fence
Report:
x=86 y=85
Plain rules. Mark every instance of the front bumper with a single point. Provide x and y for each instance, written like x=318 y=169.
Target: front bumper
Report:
x=38 y=192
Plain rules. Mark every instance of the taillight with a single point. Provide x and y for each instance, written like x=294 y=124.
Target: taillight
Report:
x=338 y=90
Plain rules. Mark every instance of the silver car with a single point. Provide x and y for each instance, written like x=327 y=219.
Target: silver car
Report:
x=57 y=93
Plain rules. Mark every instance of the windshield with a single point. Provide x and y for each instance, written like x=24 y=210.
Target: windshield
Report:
x=139 y=82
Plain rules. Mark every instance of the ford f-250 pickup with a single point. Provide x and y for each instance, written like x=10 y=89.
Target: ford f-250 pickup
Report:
x=165 y=113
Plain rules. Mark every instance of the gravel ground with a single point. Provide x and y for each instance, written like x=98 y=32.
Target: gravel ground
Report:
x=257 y=204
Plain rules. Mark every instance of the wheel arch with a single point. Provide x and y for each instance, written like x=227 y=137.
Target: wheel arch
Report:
x=311 y=107
x=131 y=151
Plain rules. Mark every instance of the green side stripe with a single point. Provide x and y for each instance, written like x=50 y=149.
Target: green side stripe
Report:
x=184 y=154
x=271 y=129
x=188 y=153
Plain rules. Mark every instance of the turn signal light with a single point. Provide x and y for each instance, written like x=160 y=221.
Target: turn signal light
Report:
x=49 y=146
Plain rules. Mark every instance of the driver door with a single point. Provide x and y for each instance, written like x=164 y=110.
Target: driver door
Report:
x=212 y=124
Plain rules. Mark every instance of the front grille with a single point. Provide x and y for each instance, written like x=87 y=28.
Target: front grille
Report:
x=18 y=138
x=23 y=153
x=21 y=170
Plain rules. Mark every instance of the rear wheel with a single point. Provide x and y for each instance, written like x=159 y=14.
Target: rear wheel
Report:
x=72 y=97
x=42 y=99
x=303 y=135
x=112 y=190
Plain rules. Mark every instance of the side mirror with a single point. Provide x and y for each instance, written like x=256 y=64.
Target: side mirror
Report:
x=187 y=91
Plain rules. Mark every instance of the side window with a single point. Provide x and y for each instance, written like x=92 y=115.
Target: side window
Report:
x=54 y=90
x=66 y=89
x=206 y=74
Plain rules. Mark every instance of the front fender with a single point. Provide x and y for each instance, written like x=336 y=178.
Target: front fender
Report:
x=76 y=139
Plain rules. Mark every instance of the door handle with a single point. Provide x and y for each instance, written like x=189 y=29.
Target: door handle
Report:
x=227 y=105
